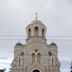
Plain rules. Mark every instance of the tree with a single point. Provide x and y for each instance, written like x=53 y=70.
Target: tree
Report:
x=2 y=70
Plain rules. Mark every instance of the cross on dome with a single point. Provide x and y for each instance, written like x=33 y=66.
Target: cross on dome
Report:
x=36 y=15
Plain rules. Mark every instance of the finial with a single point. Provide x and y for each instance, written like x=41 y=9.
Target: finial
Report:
x=36 y=14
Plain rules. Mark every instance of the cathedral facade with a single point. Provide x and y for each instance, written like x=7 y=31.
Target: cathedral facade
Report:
x=36 y=55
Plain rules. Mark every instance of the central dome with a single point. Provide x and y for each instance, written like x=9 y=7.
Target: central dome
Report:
x=36 y=21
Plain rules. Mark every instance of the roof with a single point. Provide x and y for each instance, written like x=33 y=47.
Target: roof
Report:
x=37 y=22
x=18 y=44
x=53 y=44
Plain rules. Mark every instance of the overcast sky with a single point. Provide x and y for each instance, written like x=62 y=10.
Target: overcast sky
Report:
x=15 y=15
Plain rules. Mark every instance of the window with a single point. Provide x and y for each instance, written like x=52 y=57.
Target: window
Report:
x=39 y=57
x=42 y=32
x=52 y=61
x=29 y=32
x=50 y=54
x=36 y=31
x=19 y=62
x=33 y=57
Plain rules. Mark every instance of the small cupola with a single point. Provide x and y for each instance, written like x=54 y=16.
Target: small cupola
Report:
x=53 y=44
x=18 y=44
x=36 y=29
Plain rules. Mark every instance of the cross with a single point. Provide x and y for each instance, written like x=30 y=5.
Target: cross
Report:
x=36 y=14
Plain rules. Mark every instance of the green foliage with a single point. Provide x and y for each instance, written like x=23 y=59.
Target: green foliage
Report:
x=2 y=70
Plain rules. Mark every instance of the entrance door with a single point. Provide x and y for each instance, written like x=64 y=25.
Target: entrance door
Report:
x=36 y=70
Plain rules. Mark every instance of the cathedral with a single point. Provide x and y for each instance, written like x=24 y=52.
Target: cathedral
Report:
x=36 y=55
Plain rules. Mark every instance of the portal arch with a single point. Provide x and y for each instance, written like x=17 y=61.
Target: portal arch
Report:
x=36 y=70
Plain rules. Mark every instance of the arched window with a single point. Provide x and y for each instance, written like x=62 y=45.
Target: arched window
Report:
x=39 y=57
x=29 y=32
x=49 y=53
x=52 y=61
x=36 y=31
x=33 y=57
x=19 y=62
x=42 y=32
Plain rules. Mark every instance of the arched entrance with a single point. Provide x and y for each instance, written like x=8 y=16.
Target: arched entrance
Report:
x=36 y=70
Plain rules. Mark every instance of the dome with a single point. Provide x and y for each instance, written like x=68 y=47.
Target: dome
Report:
x=36 y=22
x=18 y=44
x=53 y=44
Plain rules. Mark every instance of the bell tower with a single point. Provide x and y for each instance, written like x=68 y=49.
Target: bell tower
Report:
x=36 y=29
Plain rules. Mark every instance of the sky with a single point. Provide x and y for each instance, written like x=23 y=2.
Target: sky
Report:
x=15 y=15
